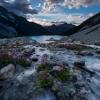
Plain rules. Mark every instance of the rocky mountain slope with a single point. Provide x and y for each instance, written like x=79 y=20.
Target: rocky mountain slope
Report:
x=12 y=25
x=85 y=25
x=88 y=31
x=90 y=35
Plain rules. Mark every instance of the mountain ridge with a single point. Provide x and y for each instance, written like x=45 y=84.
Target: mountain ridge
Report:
x=59 y=28
x=87 y=23
x=19 y=24
x=88 y=31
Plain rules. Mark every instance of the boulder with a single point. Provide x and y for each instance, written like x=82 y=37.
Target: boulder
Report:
x=97 y=43
x=7 y=72
x=34 y=59
x=85 y=53
x=57 y=68
x=98 y=51
x=79 y=64
x=29 y=51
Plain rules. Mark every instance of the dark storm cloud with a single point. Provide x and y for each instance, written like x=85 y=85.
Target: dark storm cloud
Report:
x=18 y=6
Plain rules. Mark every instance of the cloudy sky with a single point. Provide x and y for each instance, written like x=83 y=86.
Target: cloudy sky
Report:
x=72 y=11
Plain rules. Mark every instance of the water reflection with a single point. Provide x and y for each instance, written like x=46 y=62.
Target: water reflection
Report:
x=44 y=39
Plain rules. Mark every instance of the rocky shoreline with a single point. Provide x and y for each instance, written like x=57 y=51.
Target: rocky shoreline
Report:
x=53 y=71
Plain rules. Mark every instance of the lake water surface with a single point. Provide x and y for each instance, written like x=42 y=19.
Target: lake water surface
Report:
x=44 y=38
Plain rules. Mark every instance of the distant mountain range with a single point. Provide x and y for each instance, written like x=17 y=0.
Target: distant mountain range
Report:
x=59 y=27
x=12 y=25
x=88 y=31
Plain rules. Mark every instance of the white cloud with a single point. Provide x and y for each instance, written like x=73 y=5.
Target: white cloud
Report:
x=79 y=3
x=51 y=4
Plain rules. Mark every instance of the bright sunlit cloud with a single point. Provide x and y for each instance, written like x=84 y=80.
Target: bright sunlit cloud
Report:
x=49 y=19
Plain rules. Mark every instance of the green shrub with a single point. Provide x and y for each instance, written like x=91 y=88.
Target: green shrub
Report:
x=62 y=74
x=5 y=59
x=43 y=67
x=44 y=79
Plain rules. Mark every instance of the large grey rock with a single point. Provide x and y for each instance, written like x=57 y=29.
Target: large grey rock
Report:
x=7 y=72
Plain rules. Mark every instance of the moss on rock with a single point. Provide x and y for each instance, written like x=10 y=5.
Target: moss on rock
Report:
x=43 y=67
x=44 y=79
